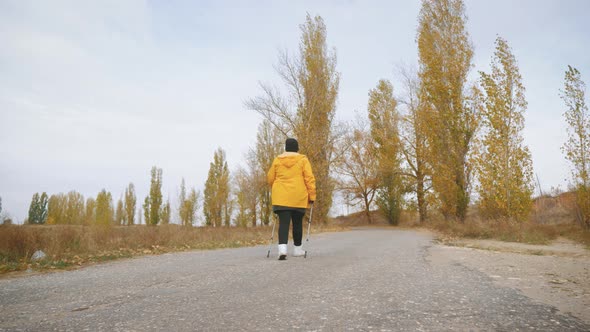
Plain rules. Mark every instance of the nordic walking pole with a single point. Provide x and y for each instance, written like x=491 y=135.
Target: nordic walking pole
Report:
x=272 y=236
x=308 y=228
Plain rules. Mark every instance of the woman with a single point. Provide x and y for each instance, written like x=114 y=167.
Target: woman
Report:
x=293 y=188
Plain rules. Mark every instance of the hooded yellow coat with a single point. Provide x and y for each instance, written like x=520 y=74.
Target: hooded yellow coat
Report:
x=292 y=181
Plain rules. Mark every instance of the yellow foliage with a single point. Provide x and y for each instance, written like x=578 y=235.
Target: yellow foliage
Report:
x=504 y=166
x=216 y=204
x=384 y=120
x=308 y=112
x=577 y=147
x=450 y=117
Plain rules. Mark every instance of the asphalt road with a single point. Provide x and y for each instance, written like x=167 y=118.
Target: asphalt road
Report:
x=362 y=280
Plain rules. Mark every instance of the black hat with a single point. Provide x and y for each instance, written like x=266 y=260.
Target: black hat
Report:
x=291 y=145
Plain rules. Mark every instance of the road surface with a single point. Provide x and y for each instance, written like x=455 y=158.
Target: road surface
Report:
x=361 y=280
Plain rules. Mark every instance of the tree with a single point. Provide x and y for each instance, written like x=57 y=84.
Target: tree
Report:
x=192 y=206
x=359 y=168
x=258 y=186
x=445 y=54
x=216 y=205
x=146 y=210
x=228 y=209
x=188 y=205
x=384 y=132
x=308 y=112
x=74 y=213
x=4 y=218
x=56 y=209
x=577 y=146
x=104 y=208
x=38 y=209
x=413 y=142
x=66 y=209
x=269 y=144
x=246 y=197
x=155 y=198
x=90 y=216
x=504 y=166
x=120 y=213
x=182 y=211
x=129 y=204
x=165 y=213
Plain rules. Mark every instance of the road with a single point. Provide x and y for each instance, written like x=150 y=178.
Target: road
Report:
x=361 y=280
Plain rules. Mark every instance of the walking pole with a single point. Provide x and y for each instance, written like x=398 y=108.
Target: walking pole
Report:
x=271 y=238
x=308 y=228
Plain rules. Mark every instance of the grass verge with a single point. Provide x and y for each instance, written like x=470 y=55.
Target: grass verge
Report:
x=526 y=232
x=71 y=246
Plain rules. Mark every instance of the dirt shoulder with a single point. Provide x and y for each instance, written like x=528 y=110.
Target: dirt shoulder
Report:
x=557 y=274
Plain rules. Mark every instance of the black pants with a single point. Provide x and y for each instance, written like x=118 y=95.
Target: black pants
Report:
x=285 y=217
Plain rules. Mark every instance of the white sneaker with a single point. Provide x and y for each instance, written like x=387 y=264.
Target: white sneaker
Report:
x=298 y=251
x=282 y=252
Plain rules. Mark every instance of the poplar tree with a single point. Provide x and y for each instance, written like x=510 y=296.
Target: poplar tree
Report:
x=165 y=213
x=246 y=197
x=119 y=213
x=56 y=209
x=445 y=54
x=38 y=209
x=308 y=112
x=154 y=199
x=146 y=210
x=269 y=144
x=90 y=215
x=258 y=184
x=182 y=213
x=577 y=146
x=74 y=210
x=384 y=121
x=192 y=206
x=104 y=208
x=66 y=209
x=129 y=204
x=188 y=205
x=413 y=142
x=319 y=83
x=216 y=205
x=504 y=166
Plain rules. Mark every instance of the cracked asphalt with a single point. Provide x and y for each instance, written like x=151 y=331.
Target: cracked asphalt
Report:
x=361 y=280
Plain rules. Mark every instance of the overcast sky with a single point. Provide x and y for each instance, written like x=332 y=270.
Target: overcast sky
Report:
x=95 y=93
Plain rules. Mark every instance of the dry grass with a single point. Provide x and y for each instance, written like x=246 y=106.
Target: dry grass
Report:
x=377 y=219
x=509 y=231
x=71 y=246
x=552 y=217
x=560 y=209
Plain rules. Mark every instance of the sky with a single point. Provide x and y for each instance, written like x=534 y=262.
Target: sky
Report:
x=95 y=93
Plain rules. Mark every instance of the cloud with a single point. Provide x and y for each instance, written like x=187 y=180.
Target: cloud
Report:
x=92 y=94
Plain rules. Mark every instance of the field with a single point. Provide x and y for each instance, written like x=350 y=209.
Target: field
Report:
x=69 y=246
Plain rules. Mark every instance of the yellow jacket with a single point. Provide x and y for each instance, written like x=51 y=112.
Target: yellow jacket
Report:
x=292 y=181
